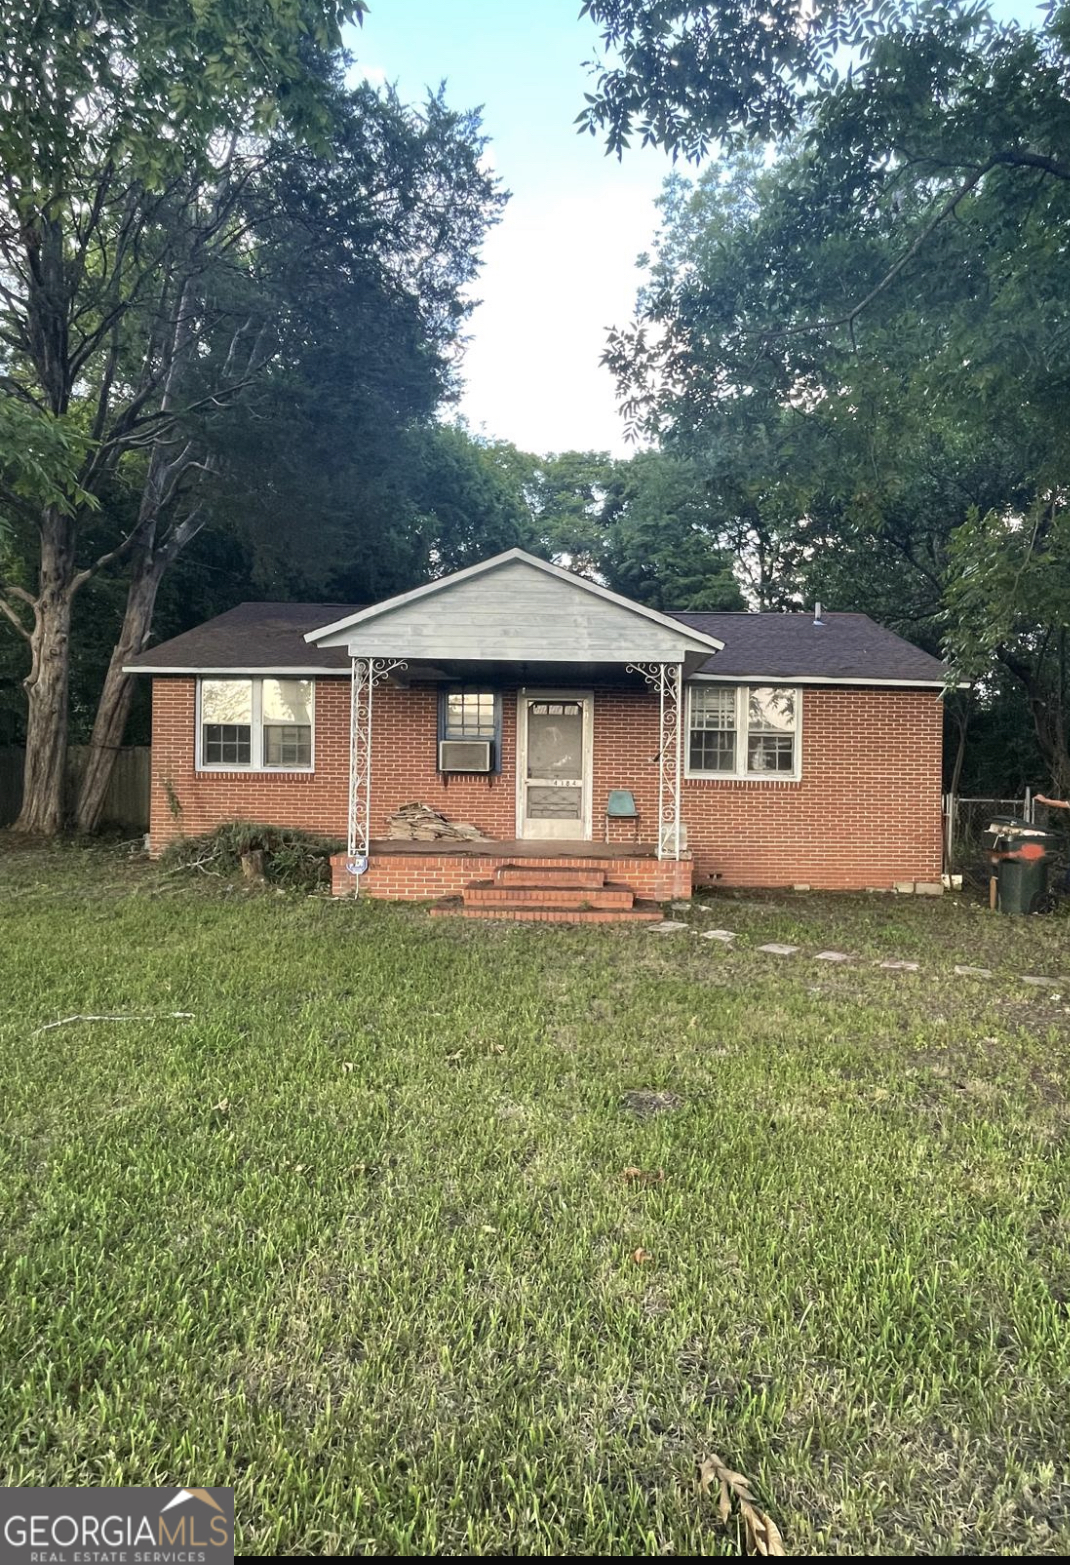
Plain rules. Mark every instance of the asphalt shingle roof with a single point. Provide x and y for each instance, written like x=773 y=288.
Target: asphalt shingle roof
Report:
x=769 y=646
x=252 y=636
x=787 y=646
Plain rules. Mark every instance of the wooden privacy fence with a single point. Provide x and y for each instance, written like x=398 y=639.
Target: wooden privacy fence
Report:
x=127 y=803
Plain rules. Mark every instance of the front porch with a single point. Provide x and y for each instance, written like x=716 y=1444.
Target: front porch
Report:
x=422 y=871
x=554 y=698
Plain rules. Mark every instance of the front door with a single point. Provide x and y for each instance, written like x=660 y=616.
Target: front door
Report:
x=554 y=765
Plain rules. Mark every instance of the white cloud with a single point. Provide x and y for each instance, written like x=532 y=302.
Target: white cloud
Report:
x=559 y=271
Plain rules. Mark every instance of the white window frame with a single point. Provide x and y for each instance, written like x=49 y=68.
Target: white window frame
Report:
x=742 y=693
x=256 y=762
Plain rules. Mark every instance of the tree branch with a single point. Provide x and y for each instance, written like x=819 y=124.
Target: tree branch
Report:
x=848 y=319
x=1016 y=158
x=9 y=613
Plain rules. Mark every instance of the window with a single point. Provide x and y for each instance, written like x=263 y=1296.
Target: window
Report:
x=472 y=714
x=712 y=734
x=259 y=724
x=742 y=731
x=770 y=730
x=226 y=721
x=287 y=719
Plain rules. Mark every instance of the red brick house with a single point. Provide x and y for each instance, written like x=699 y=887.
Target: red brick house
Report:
x=747 y=749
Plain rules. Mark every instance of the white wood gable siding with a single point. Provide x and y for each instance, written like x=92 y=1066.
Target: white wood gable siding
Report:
x=515 y=611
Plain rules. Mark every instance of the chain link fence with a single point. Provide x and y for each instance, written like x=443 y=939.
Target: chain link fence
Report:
x=967 y=819
x=965 y=822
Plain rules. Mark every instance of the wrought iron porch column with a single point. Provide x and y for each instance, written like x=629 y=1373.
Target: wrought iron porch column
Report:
x=366 y=674
x=668 y=680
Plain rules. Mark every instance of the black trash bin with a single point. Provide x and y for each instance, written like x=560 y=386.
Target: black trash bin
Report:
x=1021 y=855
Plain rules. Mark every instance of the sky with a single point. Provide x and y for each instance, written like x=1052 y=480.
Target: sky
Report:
x=560 y=268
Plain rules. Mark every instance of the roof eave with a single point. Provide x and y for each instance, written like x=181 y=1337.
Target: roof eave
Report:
x=266 y=671
x=889 y=681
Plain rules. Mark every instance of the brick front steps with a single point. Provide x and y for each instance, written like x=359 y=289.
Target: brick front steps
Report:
x=557 y=894
x=548 y=893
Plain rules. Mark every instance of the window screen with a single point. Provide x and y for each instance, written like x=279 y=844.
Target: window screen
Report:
x=226 y=721
x=712 y=738
x=770 y=730
x=287 y=722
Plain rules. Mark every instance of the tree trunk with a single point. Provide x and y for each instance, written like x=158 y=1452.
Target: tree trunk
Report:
x=47 y=684
x=117 y=693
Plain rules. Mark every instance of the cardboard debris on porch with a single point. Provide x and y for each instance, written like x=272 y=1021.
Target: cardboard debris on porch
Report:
x=420 y=823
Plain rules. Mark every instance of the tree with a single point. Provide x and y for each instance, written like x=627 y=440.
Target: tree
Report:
x=667 y=543
x=869 y=335
x=644 y=527
x=692 y=75
x=344 y=300
x=119 y=122
x=934 y=92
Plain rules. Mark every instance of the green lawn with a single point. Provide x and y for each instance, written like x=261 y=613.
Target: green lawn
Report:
x=356 y=1240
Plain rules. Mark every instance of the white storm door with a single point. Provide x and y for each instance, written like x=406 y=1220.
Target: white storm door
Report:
x=554 y=765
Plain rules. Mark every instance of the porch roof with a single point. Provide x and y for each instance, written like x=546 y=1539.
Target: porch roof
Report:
x=515 y=608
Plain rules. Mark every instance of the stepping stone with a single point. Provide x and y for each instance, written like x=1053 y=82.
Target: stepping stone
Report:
x=973 y=972
x=726 y=935
x=900 y=967
x=1041 y=982
x=680 y=907
x=779 y=950
x=668 y=926
x=832 y=956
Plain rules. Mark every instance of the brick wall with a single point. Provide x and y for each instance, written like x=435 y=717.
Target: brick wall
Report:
x=183 y=801
x=866 y=811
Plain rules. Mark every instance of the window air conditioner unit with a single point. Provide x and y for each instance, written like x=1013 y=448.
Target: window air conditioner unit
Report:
x=464 y=755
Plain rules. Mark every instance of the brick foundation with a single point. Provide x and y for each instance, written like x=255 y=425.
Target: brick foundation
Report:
x=864 y=813
x=416 y=877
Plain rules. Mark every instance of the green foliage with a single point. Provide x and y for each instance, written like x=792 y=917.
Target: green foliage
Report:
x=88 y=83
x=861 y=346
x=249 y=345
x=665 y=544
x=644 y=527
x=687 y=75
x=41 y=458
x=332 y=469
x=298 y=860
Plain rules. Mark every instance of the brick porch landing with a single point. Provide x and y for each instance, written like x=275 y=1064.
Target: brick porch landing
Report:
x=422 y=871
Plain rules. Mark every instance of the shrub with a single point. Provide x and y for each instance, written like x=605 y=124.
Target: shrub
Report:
x=293 y=858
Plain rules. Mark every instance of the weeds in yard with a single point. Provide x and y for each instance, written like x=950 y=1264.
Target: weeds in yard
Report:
x=296 y=859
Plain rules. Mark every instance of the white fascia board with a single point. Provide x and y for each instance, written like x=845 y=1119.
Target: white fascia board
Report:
x=818 y=679
x=303 y=672
x=676 y=626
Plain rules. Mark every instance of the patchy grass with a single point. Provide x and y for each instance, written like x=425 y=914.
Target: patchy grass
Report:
x=357 y=1240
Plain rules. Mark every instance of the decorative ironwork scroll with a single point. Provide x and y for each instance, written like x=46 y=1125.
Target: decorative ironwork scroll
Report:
x=367 y=673
x=668 y=680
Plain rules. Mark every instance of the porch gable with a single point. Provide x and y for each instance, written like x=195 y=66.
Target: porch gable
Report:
x=520 y=609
